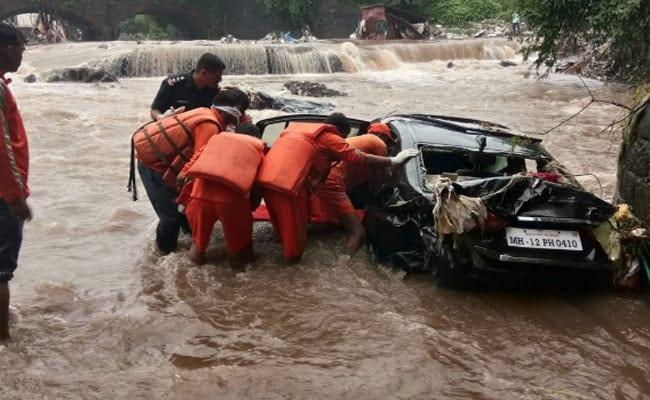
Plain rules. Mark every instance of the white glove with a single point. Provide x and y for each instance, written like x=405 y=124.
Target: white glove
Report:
x=403 y=156
x=172 y=111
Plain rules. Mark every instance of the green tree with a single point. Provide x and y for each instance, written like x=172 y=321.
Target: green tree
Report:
x=290 y=14
x=562 y=24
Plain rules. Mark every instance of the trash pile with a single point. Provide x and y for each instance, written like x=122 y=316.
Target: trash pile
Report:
x=626 y=241
x=311 y=89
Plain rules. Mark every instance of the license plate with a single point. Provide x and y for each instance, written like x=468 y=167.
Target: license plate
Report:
x=543 y=239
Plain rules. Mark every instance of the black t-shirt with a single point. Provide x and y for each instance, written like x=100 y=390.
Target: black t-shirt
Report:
x=179 y=90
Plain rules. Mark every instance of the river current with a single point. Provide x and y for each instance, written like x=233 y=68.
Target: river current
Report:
x=99 y=314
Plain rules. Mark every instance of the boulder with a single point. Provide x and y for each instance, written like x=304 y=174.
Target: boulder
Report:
x=82 y=74
x=507 y=63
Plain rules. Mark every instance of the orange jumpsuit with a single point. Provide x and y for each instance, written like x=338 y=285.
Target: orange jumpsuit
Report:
x=289 y=214
x=332 y=195
x=210 y=202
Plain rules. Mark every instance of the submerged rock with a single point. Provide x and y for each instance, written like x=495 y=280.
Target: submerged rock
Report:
x=311 y=89
x=31 y=78
x=507 y=63
x=82 y=74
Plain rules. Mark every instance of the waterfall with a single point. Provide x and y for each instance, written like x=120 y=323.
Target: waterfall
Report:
x=319 y=58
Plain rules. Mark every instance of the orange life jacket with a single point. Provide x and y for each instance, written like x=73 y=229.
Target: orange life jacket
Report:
x=231 y=159
x=170 y=141
x=287 y=166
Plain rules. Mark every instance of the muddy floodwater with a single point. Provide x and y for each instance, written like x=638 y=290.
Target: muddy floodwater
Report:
x=99 y=314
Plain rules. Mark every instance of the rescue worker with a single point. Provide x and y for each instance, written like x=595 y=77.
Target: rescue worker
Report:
x=14 y=167
x=298 y=163
x=333 y=194
x=164 y=146
x=223 y=191
x=188 y=91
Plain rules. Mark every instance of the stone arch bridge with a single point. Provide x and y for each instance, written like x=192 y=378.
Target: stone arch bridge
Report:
x=99 y=19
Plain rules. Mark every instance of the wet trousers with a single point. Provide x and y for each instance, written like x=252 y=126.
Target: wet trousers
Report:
x=290 y=218
x=163 y=200
x=236 y=220
x=11 y=237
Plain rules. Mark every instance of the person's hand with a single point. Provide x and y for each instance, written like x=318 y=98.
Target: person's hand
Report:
x=403 y=156
x=181 y=180
x=20 y=209
x=172 y=111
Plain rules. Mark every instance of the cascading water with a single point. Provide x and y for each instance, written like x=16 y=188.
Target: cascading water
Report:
x=261 y=59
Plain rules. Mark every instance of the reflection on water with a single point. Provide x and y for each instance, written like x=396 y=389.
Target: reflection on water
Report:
x=100 y=314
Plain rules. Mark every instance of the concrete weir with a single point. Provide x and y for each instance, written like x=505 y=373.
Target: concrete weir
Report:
x=321 y=57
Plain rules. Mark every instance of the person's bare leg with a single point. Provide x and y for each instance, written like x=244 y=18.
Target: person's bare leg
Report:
x=357 y=233
x=196 y=256
x=4 y=311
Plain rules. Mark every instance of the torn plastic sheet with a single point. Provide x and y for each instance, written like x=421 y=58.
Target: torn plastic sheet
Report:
x=530 y=196
x=400 y=225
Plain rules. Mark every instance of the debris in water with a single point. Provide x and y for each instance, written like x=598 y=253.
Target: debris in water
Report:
x=229 y=39
x=262 y=101
x=31 y=78
x=507 y=63
x=82 y=74
x=311 y=89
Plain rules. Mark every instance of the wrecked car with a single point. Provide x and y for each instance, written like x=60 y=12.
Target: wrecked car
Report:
x=480 y=205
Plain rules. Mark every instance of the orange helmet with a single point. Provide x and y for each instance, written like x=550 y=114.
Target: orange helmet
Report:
x=380 y=128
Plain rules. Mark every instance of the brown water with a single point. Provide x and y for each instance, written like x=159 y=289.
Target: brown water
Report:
x=99 y=314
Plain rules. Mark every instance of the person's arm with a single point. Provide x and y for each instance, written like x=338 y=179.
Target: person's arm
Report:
x=12 y=186
x=189 y=164
x=155 y=114
x=203 y=133
x=341 y=150
x=338 y=149
x=162 y=102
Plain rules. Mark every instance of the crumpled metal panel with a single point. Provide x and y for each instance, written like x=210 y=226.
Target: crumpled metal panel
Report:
x=534 y=197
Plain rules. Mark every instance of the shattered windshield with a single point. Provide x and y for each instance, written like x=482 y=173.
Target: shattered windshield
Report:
x=429 y=134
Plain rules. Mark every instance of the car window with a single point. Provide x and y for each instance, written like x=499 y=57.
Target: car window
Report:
x=461 y=164
x=272 y=132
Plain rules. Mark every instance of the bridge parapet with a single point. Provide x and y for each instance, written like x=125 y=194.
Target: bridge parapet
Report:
x=99 y=19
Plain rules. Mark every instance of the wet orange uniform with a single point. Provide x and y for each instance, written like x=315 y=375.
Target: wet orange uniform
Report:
x=332 y=195
x=212 y=201
x=289 y=210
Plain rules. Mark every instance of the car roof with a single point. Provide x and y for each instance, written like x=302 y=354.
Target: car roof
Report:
x=455 y=133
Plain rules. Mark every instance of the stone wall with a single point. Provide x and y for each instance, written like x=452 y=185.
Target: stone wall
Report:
x=634 y=165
